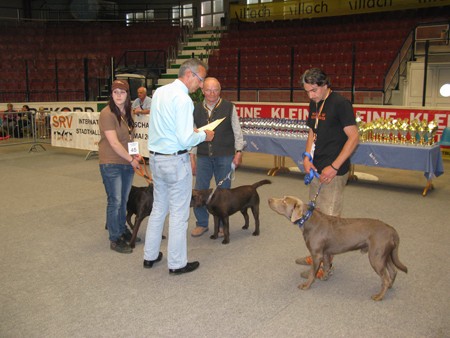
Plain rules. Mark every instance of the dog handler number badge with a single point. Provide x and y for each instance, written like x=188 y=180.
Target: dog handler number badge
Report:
x=133 y=148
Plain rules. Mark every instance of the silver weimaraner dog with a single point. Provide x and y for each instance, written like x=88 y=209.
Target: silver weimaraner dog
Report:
x=326 y=236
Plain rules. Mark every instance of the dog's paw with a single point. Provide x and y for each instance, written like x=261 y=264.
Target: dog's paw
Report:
x=245 y=227
x=324 y=277
x=225 y=241
x=377 y=297
x=256 y=233
x=213 y=236
x=304 y=286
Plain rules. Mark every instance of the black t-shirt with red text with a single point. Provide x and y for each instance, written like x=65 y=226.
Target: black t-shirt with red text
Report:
x=336 y=114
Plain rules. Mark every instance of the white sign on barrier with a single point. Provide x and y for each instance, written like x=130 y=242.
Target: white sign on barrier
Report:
x=80 y=130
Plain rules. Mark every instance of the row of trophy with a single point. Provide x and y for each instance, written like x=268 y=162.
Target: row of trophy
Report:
x=389 y=130
x=275 y=127
x=398 y=131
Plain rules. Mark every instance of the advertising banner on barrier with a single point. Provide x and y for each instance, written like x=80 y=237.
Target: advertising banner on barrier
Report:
x=296 y=111
x=80 y=130
x=75 y=130
x=308 y=9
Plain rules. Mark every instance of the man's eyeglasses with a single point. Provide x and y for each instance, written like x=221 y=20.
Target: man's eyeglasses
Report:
x=198 y=76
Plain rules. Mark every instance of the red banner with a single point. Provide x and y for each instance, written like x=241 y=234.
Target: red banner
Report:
x=297 y=111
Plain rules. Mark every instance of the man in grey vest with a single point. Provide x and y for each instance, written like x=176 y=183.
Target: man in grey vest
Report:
x=215 y=158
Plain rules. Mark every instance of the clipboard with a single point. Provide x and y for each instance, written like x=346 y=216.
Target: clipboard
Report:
x=212 y=125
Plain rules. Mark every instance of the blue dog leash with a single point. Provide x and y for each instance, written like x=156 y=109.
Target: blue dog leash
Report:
x=312 y=173
x=311 y=206
x=230 y=176
x=309 y=177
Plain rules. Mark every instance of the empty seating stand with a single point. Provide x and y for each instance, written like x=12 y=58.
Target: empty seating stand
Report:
x=371 y=40
x=52 y=55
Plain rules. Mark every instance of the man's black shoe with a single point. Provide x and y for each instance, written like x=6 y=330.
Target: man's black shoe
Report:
x=149 y=264
x=188 y=268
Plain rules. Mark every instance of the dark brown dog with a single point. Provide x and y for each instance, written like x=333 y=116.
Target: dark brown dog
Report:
x=326 y=236
x=225 y=202
x=140 y=203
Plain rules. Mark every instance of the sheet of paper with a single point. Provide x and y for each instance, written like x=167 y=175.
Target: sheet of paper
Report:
x=212 y=125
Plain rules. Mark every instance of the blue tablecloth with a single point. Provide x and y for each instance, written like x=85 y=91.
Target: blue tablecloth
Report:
x=419 y=158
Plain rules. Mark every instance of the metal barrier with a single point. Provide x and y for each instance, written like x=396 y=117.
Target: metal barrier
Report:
x=30 y=127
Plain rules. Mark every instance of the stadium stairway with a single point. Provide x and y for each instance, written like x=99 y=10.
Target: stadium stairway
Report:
x=199 y=45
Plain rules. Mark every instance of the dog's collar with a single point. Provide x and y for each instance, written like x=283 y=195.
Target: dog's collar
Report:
x=300 y=222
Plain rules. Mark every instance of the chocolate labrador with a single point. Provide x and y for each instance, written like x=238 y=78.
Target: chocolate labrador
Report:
x=140 y=203
x=225 y=202
x=326 y=236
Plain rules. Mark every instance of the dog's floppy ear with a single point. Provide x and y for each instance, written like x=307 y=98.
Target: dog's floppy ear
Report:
x=297 y=212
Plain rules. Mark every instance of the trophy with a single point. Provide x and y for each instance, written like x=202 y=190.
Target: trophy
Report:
x=404 y=129
x=396 y=124
x=384 y=130
x=432 y=129
x=368 y=131
x=376 y=129
x=422 y=130
x=389 y=133
x=363 y=128
x=362 y=131
x=413 y=131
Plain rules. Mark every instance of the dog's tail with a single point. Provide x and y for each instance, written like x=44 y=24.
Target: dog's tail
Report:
x=394 y=254
x=260 y=183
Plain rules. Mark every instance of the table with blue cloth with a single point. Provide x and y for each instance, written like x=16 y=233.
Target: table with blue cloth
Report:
x=384 y=155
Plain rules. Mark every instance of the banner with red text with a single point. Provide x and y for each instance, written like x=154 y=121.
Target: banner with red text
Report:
x=297 y=111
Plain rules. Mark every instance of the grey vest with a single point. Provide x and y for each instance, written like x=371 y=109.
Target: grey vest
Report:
x=223 y=141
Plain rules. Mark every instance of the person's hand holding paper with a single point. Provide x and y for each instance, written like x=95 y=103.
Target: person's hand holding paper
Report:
x=212 y=125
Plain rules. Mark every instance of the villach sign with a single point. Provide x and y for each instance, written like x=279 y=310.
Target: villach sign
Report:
x=314 y=9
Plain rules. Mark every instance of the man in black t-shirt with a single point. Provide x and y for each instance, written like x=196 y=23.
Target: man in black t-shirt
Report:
x=332 y=138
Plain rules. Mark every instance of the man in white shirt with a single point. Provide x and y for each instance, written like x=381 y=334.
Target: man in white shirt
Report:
x=171 y=135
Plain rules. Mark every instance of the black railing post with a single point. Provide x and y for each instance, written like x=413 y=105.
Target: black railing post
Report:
x=353 y=73
x=86 y=79
x=239 y=75
x=56 y=79
x=425 y=73
x=291 y=98
x=27 y=79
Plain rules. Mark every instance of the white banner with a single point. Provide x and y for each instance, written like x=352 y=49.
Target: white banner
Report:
x=141 y=133
x=80 y=130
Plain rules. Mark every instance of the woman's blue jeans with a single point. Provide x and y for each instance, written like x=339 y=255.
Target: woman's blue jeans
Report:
x=206 y=168
x=117 y=179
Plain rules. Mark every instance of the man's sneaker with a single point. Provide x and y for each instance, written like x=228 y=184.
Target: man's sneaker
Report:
x=120 y=246
x=304 y=260
x=320 y=273
x=126 y=236
x=198 y=231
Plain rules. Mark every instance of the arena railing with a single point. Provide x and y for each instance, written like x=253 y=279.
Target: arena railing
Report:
x=30 y=127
